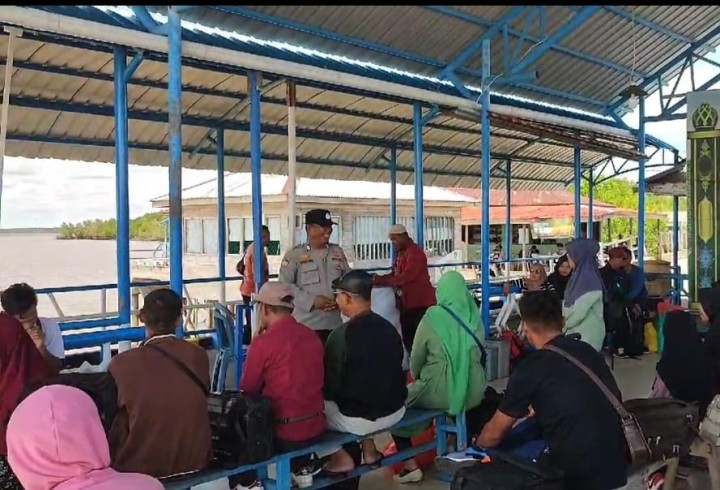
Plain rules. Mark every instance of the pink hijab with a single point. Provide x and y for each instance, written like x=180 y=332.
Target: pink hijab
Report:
x=56 y=441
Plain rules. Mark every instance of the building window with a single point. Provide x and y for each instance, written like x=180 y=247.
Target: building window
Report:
x=201 y=236
x=370 y=236
x=240 y=234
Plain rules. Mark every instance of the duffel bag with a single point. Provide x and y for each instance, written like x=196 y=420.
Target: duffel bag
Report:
x=243 y=428
x=507 y=473
x=669 y=425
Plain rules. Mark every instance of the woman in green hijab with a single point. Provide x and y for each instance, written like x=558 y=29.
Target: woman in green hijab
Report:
x=445 y=361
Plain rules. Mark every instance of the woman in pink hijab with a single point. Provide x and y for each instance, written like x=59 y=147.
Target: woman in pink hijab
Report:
x=56 y=441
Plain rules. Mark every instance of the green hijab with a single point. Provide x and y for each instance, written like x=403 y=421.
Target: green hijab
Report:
x=458 y=346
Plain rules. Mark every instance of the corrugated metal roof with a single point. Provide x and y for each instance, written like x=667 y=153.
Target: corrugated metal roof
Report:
x=62 y=95
x=534 y=214
x=596 y=61
x=240 y=186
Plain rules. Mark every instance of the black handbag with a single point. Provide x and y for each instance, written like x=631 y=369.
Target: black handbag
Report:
x=243 y=426
x=508 y=473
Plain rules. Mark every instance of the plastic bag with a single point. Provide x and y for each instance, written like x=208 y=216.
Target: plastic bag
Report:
x=651 y=338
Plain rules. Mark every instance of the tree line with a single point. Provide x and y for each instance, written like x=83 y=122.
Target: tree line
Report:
x=149 y=227
x=622 y=193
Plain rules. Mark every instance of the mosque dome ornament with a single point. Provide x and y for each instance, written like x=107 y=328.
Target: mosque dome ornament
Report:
x=705 y=117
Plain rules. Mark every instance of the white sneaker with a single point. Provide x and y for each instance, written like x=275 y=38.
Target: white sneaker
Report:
x=256 y=485
x=406 y=476
x=303 y=478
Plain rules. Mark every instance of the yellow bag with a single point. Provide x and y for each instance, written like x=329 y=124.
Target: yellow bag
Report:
x=651 y=337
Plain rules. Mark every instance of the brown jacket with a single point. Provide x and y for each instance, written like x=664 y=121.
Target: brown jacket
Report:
x=162 y=426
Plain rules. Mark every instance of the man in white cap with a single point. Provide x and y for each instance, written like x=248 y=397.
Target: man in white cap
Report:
x=411 y=279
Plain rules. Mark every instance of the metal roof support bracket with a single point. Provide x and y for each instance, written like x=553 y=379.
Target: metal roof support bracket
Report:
x=150 y=24
x=134 y=65
x=536 y=53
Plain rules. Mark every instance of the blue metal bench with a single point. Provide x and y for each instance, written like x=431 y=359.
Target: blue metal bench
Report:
x=333 y=440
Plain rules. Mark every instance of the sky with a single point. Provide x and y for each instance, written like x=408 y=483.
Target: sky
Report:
x=44 y=193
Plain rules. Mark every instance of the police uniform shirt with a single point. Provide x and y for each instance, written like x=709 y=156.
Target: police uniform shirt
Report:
x=310 y=273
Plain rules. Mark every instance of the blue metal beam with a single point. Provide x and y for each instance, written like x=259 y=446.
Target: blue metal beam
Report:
x=577 y=177
x=670 y=110
x=76 y=141
x=146 y=20
x=485 y=187
x=393 y=194
x=508 y=210
x=652 y=79
x=360 y=43
x=122 y=196
x=222 y=221
x=534 y=55
x=514 y=13
x=647 y=23
x=641 y=185
x=472 y=19
x=336 y=137
x=175 y=116
x=591 y=189
x=256 y=175
x=134 y=65
x=418 y=167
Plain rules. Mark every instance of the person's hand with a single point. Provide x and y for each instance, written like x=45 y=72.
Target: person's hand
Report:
x=324 y=303
x=36 y=335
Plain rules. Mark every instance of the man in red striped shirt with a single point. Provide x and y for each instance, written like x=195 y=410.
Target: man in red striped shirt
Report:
x=411 y=279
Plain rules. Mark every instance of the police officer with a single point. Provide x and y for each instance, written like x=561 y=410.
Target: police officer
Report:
x=310 y=268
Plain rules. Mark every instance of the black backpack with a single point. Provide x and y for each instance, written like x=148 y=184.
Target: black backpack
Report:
x=243 y=426
x=669 y=425
x=508 y=473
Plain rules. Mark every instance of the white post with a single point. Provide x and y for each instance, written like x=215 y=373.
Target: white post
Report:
x=13 y=33
x=292 y=164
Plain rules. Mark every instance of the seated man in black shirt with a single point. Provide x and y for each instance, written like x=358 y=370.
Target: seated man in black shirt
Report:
x=365 y=386
x=581 y=427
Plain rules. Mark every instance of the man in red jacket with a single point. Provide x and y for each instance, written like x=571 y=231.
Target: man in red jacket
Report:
x=411 y=280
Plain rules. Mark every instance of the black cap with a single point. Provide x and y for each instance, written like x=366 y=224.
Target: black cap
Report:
x=356 y=282
x=318 y=217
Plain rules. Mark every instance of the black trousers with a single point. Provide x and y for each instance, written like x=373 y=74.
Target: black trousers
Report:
x=409 y=321
x=247 y=334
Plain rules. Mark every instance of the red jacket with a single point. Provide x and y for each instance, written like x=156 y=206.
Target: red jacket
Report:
x=285 y=364
x=410 y=274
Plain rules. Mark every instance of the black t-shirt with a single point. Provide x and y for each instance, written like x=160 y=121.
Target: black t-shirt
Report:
x=578 y=422
x=373 y=383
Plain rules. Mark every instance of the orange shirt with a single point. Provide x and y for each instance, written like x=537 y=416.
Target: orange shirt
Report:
x=247 y=287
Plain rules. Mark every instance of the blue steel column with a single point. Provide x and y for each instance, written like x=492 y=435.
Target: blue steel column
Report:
x=419 y=202
x=641 y=184
x=591 y=188
x=122 y=201
x=508 y=211
x=577 y=185
x=222 y=222
x=175 y=139
x=256 y=175
x=393 y=195
x=485 y=185
x=677 y=282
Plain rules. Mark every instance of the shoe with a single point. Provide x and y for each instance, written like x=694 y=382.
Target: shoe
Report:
x=256 y=485
x=621 y=354
x=304 y=477
x=406 y=476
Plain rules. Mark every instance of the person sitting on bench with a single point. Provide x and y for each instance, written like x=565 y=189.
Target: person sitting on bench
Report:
x=364 y=379
x=162 y=427
x=581 y=427
x=285 y=364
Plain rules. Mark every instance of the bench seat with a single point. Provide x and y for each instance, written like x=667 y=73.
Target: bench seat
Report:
x=327 y=442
